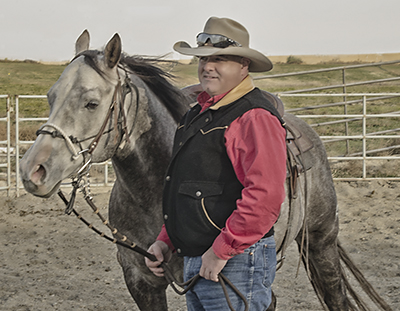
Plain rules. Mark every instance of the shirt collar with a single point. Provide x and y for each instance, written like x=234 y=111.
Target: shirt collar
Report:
x=216 y=102
x=206 y=101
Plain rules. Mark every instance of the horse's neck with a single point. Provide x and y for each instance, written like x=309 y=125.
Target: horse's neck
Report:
x=145 y=157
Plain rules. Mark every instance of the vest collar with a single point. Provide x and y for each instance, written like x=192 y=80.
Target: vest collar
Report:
x=237 y=92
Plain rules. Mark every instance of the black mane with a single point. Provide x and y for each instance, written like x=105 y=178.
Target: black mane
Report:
x=154 y=77
x=158 y=81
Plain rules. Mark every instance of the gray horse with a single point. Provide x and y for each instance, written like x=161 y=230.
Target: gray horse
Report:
x=109 y=105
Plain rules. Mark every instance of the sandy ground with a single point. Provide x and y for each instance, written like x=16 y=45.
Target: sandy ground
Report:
x=51 y=261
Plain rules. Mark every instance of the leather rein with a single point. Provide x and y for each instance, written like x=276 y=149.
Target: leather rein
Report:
x=120 y=92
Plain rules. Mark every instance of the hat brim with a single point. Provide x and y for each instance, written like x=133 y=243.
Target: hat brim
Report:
x=259 y=62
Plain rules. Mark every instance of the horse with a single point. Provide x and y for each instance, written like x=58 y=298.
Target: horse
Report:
x=109 y=105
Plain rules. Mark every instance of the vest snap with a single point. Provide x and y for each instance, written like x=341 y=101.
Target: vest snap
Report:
x=165 y=216
x=168 y=178
x=198 y=194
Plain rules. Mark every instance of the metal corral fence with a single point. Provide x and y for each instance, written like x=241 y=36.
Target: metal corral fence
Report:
x=343 y=69
x=364 y=155
x=367 y=98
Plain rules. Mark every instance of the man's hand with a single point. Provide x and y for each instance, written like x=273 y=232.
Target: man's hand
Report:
x=211 y=265
x=163 y=254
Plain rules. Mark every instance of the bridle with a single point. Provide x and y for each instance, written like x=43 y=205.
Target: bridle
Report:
x=120 y=128
x=118 y=99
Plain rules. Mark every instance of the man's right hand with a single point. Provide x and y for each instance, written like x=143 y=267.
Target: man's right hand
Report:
x=163 y=254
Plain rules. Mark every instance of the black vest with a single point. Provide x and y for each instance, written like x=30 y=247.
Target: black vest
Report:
x=201 y=187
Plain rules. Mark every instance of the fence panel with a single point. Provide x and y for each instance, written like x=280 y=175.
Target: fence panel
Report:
x=364 y=136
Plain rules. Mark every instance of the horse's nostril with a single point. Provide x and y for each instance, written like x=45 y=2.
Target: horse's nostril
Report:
x=39 y=175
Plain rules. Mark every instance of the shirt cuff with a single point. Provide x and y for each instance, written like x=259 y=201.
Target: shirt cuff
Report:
x=163 y=236
x=224 y=250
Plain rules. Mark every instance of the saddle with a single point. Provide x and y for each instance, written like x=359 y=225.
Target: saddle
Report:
x=297 y=146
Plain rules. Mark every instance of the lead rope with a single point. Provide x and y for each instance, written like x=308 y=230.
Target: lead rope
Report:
x=122 y=240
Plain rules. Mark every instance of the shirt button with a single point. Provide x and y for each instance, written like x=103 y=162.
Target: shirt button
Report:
x=178 y=251
x=180 y=143
x=198 y=194
x=165 y=216
x=168 y=178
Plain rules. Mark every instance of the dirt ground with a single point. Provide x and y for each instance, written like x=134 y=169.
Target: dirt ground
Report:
x=51 y=261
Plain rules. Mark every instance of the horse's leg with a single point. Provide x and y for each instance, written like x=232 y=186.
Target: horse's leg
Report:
x=148 y=296
x=272 y=306
x=324 y=268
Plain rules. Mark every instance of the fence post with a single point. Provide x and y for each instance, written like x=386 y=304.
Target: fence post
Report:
x=17 y=177
x=364 y=144
x=8 y=145
x=346 y=124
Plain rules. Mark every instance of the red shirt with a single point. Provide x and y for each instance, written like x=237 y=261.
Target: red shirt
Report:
x=255 y=143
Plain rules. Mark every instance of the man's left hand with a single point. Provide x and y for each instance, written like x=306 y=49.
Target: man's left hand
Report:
x=211 y=265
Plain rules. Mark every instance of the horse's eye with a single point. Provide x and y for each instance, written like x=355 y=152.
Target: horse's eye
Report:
x=91 y=105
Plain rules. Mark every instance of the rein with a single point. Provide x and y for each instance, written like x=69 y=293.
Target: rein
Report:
x=122 y=240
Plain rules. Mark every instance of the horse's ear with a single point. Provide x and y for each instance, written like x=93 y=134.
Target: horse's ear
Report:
x=82 y=43
x=113 y=50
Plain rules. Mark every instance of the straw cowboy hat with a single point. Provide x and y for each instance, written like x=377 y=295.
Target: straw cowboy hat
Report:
x=224 y=36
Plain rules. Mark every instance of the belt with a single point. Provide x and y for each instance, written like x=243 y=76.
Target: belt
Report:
x=269 y=233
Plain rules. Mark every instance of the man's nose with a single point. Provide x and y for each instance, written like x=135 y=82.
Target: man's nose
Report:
x=208 y=65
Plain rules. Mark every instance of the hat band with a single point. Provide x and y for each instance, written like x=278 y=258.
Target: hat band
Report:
x=218 y=41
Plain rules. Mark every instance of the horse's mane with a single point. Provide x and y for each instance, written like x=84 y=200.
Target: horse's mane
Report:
x=158 y=81
x=154 y=77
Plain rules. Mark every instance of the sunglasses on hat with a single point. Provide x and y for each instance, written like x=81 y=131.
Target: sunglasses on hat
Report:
x=218 y=41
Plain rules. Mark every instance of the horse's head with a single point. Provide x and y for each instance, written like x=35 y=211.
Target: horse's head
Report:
x=85 y=121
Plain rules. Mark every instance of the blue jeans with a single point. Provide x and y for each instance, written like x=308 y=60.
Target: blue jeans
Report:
x=251 y=272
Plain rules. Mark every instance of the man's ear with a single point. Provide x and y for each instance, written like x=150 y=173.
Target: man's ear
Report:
x=245 y=62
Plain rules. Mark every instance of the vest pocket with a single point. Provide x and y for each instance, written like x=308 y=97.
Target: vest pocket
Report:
x=200 y=189
x=201 y=201
x=208 y=217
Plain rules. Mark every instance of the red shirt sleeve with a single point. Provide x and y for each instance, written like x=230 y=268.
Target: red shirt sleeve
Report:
x=163 y=236
x=255 y=144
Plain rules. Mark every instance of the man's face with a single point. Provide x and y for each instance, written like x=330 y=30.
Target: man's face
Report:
x=219 y=74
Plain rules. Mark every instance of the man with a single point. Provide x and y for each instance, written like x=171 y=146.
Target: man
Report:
x=225 y=183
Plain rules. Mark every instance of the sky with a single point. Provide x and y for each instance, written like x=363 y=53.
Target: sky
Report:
x=46 y=30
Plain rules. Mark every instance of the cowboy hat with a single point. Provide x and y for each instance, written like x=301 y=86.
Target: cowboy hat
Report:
x=237 y=41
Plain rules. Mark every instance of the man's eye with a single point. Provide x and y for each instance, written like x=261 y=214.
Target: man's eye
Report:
x=220 y=59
